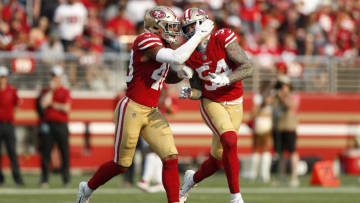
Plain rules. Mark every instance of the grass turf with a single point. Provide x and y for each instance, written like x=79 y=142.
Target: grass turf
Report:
x=211 y=190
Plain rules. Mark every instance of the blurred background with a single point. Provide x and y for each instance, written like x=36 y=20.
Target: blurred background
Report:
x=315 y=43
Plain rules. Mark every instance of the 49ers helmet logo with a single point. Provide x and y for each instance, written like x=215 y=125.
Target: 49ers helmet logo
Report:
x=158 y=14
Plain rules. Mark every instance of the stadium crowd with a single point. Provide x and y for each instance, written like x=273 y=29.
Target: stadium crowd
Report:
x=286 y=28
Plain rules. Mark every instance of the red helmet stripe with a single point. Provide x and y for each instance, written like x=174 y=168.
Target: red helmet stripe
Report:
x=188 y=14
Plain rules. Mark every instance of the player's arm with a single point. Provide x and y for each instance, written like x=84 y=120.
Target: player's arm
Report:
x=194 y=91
x=238 y=56
x=244 y=69
x=180 y=55
x=64 y=107
x=172 y=77
x=195 y=84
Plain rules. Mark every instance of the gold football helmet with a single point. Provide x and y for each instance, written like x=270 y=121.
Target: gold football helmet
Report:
x=163 y=21
x=192 y=16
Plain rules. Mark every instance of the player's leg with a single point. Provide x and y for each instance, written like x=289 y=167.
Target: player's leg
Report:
x=213 y=163
x=230 y=152
x=255 y=158
x=294 y=157
x=62 y=138
x=158 y=135
x=156 y=169
x=149 y=169
x=224 y=120
x=265 y=167
x=47 y=145
x=10 y=144
x=126 y=137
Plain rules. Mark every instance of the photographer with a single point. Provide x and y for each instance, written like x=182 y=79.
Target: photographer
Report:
x=284 y=132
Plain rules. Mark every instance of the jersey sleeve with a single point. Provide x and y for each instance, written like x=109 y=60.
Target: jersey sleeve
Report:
x=146 y=41
x=226 y=36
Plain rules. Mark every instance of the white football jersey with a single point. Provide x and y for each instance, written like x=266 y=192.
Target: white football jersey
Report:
x=71 y=19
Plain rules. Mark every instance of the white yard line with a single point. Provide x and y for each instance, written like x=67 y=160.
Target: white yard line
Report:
x=262 y=190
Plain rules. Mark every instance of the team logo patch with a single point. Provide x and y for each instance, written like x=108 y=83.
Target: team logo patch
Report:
x=158 y=14
x=133 y=115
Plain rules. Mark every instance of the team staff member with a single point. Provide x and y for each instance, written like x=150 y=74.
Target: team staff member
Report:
x=56 y=102
x=8 y=102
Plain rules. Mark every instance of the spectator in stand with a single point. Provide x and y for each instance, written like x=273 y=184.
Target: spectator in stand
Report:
x=45 y=8
x=250 y=16
x=17 y=25
x=135 y=9
x=52 y=49
x=71 y=18
x=94 y=25
x=13 y=9
x=119 y=26
x=38 y=34
x=284 y=131
x=20 y=42
x=55 y=102
x=5 y=36
x=8 y=102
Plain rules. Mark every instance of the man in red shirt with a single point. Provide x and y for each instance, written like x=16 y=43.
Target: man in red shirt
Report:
x=8 y=101
x=56 y=101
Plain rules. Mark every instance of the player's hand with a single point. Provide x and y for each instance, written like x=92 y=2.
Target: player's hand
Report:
x=205 y=28
x=219 y=80
x=185 y=72
x=185 y=93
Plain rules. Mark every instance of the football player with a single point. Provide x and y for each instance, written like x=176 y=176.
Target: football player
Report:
x=137 y=113
x=220 y=65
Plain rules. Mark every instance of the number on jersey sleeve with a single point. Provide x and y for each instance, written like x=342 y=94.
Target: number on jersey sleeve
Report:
x=159 y=76
x=130 y=75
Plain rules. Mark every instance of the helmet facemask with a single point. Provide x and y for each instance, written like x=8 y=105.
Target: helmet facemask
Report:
x=189 y=34
x=170 y=30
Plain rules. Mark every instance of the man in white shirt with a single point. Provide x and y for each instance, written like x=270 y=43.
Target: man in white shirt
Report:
x=71 y=18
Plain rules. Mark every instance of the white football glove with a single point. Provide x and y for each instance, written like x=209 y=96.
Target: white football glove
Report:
x=185 y=72
x=205 y=28
x=219 y=80
x=185 y=93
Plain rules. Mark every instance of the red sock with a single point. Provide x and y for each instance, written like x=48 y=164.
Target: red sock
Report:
x=106 y=171
x=231 y=160
x=207 y=168
x=170 y=179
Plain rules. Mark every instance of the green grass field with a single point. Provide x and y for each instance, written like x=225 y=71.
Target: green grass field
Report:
x=212 y=190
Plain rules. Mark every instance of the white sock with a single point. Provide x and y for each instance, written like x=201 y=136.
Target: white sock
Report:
x=265 y=166
x=254 y=165
x=149 y=167
x=88 y=190
x=237 y=196
x=157 y=170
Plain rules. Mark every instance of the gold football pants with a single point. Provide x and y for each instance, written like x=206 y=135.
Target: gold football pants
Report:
x=133 y=119
x=220 y=118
